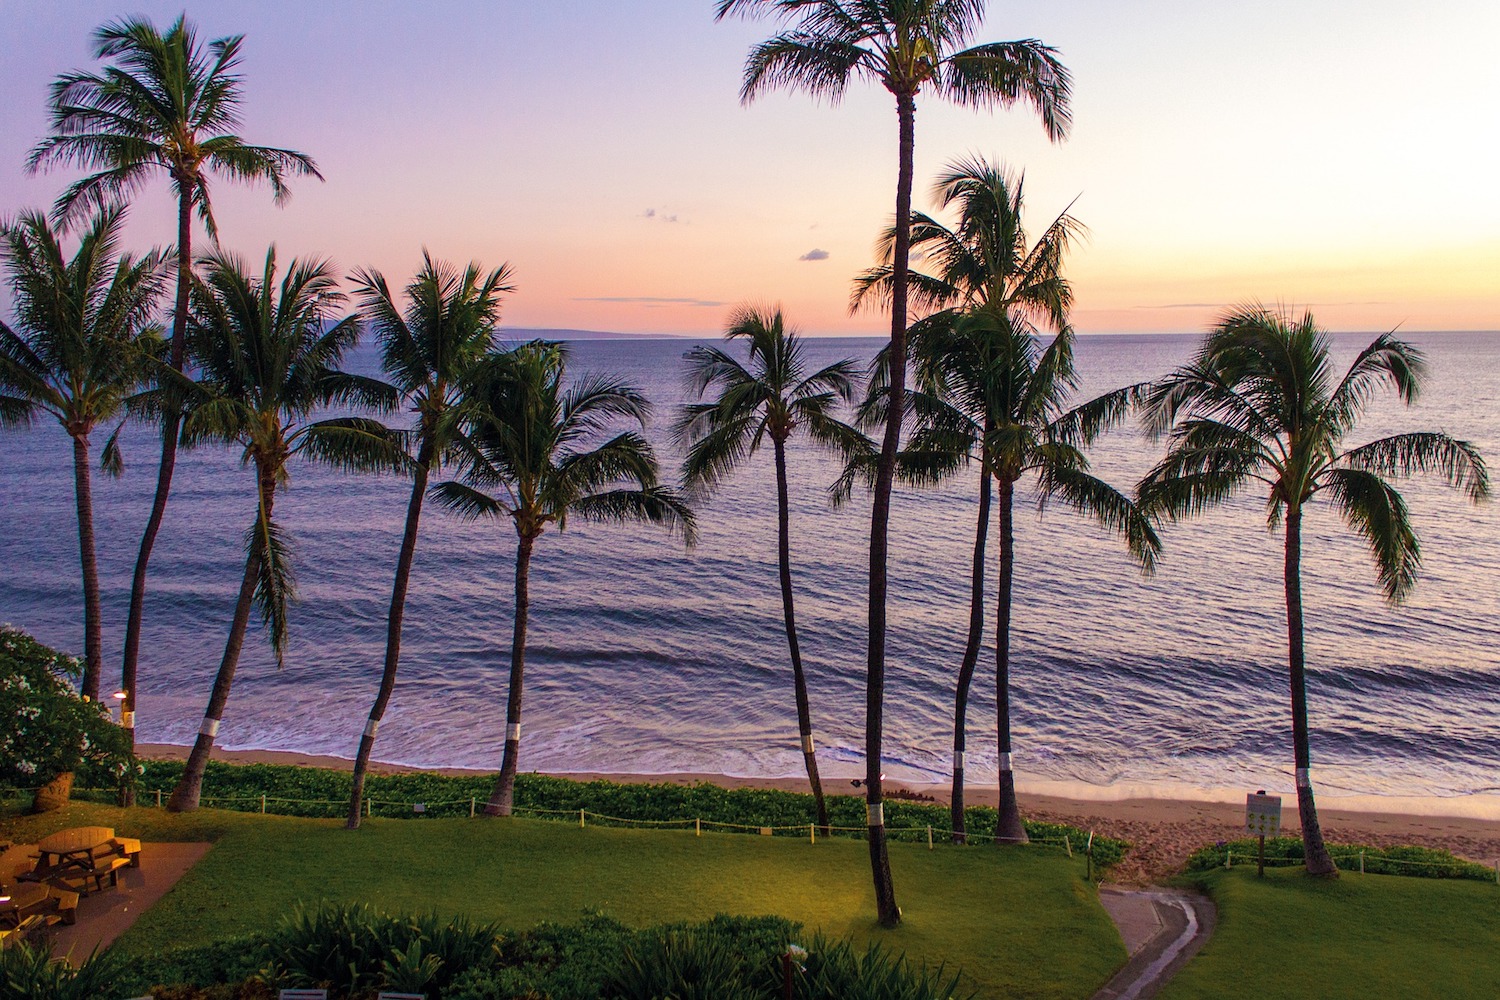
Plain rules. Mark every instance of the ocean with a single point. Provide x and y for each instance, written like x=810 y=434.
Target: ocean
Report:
x=647 y=658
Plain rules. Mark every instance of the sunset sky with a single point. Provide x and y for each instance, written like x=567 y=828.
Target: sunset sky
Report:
x=1331 y=155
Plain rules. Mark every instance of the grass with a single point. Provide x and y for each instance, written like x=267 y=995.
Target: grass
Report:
x=1360 y=936
x=1020 y=922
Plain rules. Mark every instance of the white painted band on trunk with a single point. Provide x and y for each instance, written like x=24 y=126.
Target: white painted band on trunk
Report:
x=958 y=760
x=513 y=731
x=875 y=813
x=127 y=720
x=210 y=727
x=1304 y=780
x=1005 y=761
x=807 y=743
x=372 y=726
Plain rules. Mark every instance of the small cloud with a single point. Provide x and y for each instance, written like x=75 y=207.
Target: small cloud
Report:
x=652 y=213
x=814 y=255
x=651 y=300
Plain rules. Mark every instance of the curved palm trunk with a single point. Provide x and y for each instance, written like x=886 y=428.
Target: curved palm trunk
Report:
x=1318 y=860
x=189 y=789
x=971 y=657
x=93 y=632
x=392 y=633
x=170 y=423
x=1008 y=825
x=502 y=799
x=887 y=912
x=799 y=679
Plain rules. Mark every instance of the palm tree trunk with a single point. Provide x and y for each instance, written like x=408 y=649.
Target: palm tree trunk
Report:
x=887 y=912
x=93 y=631
x=1008 y=825
x=502 y=799
x=169 y=427
x=971 y=656
x=392 y=632
x=799 y=679
x=1318 y=860
x=185 y=796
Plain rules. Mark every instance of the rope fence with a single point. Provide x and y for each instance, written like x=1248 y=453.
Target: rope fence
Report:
x=1347 y=860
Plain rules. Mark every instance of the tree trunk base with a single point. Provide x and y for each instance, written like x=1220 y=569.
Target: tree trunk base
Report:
x=1009 y=829
x=54 y=794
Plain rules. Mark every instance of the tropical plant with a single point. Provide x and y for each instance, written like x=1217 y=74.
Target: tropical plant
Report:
x=905 y=45
x=265 y=354
x=430 y=350
x=775 y=397
x=532 y=457
x=165 y=105
x=29 y=972
x=988 y=392
x=83 y=334
x=51 y=731
x=1261 y=406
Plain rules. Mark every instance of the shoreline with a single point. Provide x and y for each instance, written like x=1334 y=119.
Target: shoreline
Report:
x=1164 y=823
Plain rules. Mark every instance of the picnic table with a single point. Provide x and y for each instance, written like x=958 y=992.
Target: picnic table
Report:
x=82 y=854
x=16 y=904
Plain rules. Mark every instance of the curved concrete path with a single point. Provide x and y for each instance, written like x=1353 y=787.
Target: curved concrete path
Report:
x=1162 y=929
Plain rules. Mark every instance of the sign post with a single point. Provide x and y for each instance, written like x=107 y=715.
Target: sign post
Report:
x=1262 y=819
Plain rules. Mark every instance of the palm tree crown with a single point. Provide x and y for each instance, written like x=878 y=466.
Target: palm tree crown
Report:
x=266 y=358
x=1262 y=405
x=774 y=396
x=165 y=105
x=905 y=45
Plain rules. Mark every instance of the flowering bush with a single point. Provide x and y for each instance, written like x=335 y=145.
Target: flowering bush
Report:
x=46 y=729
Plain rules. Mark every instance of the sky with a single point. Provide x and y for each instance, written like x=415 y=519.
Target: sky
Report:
x=1339 y=157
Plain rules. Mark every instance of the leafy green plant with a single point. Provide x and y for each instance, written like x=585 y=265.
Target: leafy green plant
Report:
x=834 y=970
x=684 y=965
x=27 y=972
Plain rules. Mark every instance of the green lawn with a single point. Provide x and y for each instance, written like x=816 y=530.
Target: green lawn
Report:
x=1361 y=936
x=1020 y=922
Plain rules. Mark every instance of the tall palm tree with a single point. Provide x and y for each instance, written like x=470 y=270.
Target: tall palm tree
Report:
x=85 y=332
x=532 y=456
x=266 y=358
x=1262 y=407
x=165 y=105
x=775 y=396
x=984 y=264
x=905 y=45
x=431 y=350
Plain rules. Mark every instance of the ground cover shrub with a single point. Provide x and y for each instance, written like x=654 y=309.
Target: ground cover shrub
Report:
x=325 y=792
x=227 y=962
x=1419 y=862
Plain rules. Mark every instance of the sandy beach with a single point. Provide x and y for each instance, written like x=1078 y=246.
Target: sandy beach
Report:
x=1164 y=828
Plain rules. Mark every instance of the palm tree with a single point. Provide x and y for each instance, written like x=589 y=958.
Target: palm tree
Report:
x=431 y=350
x=774 y=397
x=1260 y=406
x=165 y=105
x=904 y=45
x=266 y=364
x=985 y=264
x=85 y=333
x=528 y=459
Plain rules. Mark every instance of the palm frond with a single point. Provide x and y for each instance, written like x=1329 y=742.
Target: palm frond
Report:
x=1458 y=462
x=1374 y=509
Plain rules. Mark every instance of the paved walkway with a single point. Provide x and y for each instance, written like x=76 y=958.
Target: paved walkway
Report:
x=104 y=916
x=1162 y=928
